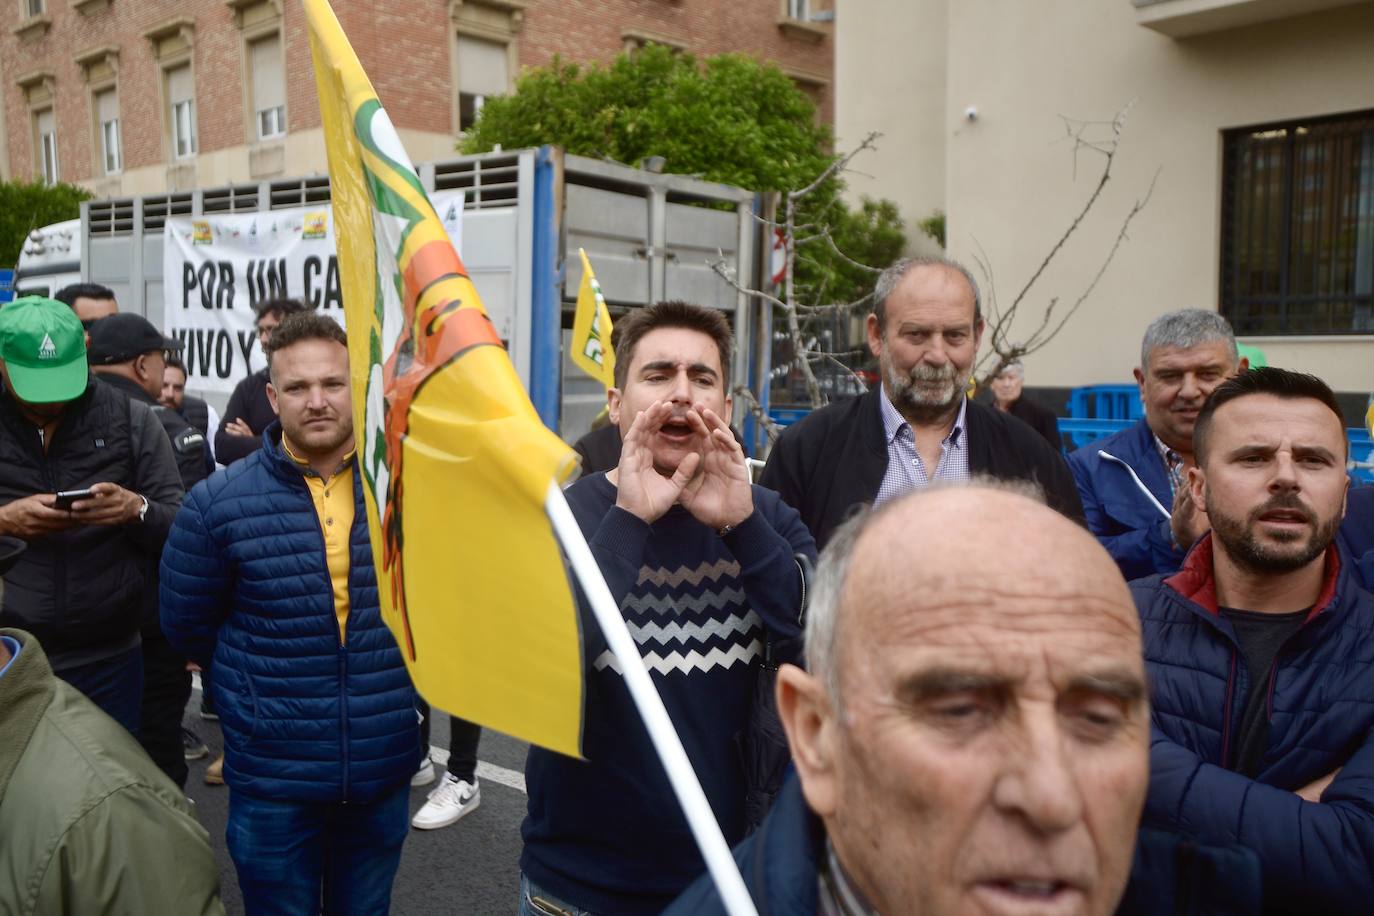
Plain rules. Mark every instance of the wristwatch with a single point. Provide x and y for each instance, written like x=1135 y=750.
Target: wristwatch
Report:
x=143 y=509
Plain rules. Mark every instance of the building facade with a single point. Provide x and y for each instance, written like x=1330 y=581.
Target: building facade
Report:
x=129 y=97
x=1252 y=120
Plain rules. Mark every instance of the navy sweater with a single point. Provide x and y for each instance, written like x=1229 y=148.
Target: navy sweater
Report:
x=607 y=833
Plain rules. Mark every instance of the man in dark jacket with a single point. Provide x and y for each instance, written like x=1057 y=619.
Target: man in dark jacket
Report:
x=249 y=410
x=268 y=570
x=196 y=411
x=704 y=568
x=80 y=585
x=1259 y=654
x=918 y=425
x=964 y=741
x=1130 y=481
x=129 y=354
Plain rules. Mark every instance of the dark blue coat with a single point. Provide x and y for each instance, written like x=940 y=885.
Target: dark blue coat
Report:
x=1122 y=517
x=1315 y=857
x=244 y=582
x=1356 y=537
x=1170 y=874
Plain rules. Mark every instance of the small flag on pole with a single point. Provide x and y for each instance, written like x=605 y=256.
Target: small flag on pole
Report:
x=591 y=338
x=456 y=464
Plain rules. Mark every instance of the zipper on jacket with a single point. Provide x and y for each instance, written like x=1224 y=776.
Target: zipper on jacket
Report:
x=343 y=717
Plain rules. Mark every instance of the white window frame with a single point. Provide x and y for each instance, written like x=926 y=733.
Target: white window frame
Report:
x=46 y=147
x=110 y=151
x=34 y=8
x=183 y=118
x=799 y=10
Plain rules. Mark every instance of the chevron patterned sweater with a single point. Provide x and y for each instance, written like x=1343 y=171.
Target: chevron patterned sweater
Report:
x=607 y=834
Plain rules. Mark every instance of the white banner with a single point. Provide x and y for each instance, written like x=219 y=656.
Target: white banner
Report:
x=216 y=268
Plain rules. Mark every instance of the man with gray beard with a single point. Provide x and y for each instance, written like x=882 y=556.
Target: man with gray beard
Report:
x=918 y=425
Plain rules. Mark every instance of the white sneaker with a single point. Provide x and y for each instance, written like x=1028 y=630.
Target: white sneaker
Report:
x=424 y=775
x=450 y=800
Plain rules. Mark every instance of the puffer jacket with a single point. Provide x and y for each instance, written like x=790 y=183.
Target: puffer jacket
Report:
x=81 y=591
x=244 y=583
x=1123 y=518
x=1315 y=857
x=87 y=823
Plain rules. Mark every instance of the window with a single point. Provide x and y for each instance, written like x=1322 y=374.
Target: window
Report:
x=107 y=121
x=45 y=127
x=799 y=9
x=181 y=104
x=1297 y=246
x=483 y=71
x=33 y=7
x=269 y=96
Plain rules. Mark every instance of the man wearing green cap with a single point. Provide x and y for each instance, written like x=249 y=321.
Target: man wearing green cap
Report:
x=88 y=479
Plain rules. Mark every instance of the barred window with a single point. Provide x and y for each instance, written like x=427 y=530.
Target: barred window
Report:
x=1297 y=245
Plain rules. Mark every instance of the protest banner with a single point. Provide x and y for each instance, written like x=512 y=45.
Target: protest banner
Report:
x=216 y=268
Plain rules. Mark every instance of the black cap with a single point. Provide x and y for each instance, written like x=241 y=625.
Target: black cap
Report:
x=124 y=337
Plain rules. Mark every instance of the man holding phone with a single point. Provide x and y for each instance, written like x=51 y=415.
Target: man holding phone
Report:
x=79 y=585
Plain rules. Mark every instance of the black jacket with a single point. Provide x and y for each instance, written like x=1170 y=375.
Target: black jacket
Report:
x=834 y=460
x=1039 y=418
x=188 y=443
x=80 y=591
x=248 y=403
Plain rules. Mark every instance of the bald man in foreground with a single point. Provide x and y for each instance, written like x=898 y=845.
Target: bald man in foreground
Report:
x=963 y=742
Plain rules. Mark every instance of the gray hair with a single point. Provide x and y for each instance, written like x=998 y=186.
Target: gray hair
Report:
x=1187 y=328
x=1015 y=366
x=889 y=278
x=832 y=572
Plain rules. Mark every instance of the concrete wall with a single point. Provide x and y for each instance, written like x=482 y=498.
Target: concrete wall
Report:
x=1014 y=180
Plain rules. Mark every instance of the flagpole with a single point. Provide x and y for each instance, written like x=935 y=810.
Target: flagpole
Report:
x=700 y=818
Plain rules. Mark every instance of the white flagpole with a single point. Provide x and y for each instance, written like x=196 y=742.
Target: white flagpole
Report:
x=700 y=818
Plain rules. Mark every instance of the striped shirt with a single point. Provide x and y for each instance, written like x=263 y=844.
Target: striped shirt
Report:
x=905 y=471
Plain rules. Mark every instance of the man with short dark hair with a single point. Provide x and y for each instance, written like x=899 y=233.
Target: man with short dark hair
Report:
x=705 y=570
x=268 y=571
x=249 y=411
x=1131 y=482
x=197 y=411
x=918 y=425
x=1259 y=652
x=80 y=586
x=90 y=301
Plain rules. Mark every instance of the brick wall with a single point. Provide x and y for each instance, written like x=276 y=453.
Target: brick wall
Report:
x=405 y=48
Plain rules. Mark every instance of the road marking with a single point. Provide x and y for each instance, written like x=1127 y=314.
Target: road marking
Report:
x=500 y=775
x=512 y=779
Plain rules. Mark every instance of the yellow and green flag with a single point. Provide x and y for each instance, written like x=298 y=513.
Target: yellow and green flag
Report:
x=591 y=337
x=456 y=464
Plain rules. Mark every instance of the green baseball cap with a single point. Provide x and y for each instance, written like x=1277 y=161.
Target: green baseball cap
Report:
x=43 y=347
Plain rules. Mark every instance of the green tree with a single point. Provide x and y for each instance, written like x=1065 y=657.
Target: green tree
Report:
x=24 y=207
x=728 y=118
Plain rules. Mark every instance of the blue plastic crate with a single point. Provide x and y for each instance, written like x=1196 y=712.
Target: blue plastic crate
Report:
x=1106 y=402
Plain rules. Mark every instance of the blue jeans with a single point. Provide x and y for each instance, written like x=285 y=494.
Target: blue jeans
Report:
x=115 y=684
x=535 y=901
x=297 y=858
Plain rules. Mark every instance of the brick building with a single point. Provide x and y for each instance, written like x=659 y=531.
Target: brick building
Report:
x=130 y=97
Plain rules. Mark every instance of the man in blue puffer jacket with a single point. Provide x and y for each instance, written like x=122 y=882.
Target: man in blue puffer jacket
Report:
x=268 y=574
x=1260 y=654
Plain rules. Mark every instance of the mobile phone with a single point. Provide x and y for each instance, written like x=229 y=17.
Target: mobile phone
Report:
x=65 y=498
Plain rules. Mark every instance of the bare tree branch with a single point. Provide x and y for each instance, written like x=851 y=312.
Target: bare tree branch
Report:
x=837 y=166
x=770 y=426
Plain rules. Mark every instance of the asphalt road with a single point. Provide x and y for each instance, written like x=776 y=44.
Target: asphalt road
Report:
x=471 y=867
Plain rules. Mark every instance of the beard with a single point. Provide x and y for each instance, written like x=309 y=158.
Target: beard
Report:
x=924 y=391
x=1283 y=552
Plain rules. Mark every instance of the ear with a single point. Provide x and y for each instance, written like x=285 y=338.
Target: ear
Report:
x=807 y=717
x=613 y=400
x=1197 y=488
x=978 y=334
x=1243 y=365
x=272 y=398
x=875 y=335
